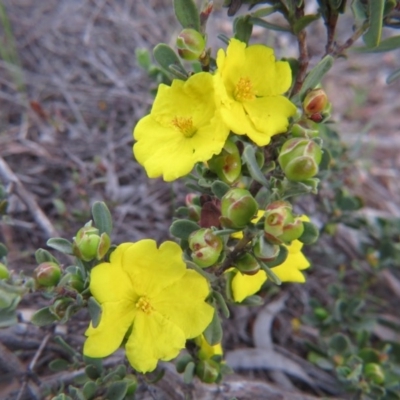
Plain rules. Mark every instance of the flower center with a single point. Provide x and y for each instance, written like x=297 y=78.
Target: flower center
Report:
x=144 y=304
x=184 y=125
x=244 y=90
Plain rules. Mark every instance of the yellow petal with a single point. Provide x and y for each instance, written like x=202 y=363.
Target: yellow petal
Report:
x=288 y=274
x=116 y=318
x=109 y=282
x=153 y=338
x=247 y=285
x=183 y=303
x=269 y=115
x=151 y=269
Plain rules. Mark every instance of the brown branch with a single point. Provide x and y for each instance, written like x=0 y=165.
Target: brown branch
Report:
x=338 y=50
x=330 y=30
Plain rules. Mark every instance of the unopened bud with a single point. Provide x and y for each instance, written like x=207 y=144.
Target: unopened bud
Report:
x=238 y=208
x=247 y=264
x=73 y=281
x=4 y=272
x=280 y=225
x=190 y=44
x=302 y=130
x=207 y=371
x=264 y=250
x=206 y=247
x=299 y=159
x=227 y=164
x=315 y=102
x=88 y=244
x=47 y=274
x=374 y=373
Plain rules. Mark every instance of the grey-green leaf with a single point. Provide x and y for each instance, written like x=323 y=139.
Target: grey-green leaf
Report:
x=43 y=317
x=315 y=75
x=373 y=35
x=249 y=158
x=388 y=44
x=213 y=333
x=310 y=234
x=303 y=22
x=269 y=25
x=60 y=244
x=102 y=217
x=117 y=391
x=242 y=28
x=94 y=311
x=187 y=14
x=182 y=228
x=219 y=188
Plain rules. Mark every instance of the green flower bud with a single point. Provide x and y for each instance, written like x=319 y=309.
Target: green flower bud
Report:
x=238 y=208
x=190 y=44
x=315 y=102
x=73 y=281
x=374 y=373
x=301 y=130
x=299 y=159
x=193 y=204
x=280 y=225
x=103 y=246
x=4 y=272
x=247 y=264
x=227 y=164
x=47 y=274
x=264 y=250
x=206 y=247
x=88 y=244
x=321 y=313
x=207 y=371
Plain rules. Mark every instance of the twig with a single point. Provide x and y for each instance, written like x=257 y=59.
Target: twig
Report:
x=338 y=50
x=18 y=188
x=330 y=30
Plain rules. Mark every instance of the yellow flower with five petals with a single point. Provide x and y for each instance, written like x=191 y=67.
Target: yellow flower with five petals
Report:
x=148 y=296
x=184 y=127
x=250 y=85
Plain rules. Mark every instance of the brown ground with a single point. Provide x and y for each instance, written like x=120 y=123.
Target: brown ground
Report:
x=66 y=118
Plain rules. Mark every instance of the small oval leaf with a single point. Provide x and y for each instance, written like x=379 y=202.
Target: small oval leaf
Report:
x=182 y=228
x=102 y=217
x=60 y=244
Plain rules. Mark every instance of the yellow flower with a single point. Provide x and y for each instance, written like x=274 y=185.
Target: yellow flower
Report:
x=183 y=127
x=148 y=295
x=289 y=271
x=206 y=350
x=250 y=84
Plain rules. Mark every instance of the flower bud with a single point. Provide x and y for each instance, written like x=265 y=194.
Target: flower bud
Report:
x=280 y=225
x=47 y=274
x=207 y=371
x=190 y=44
x=315 y=102
x=301 y=130
x=227 y=164
x=206 y=247
x=238 y=208
x=73 y=281
x=193 y=204
x=374 y=373
x=4 y=272
x=264 y=250
x=247 y=264
x=299 y=159
x=88 y=245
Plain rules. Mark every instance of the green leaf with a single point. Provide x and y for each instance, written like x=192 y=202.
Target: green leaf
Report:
x=270 y=274
x=94 y=367
x=42 y=255
x=3 y=250
x=339 y=344
x=222 y=304
x=201 y=271
x=219 y=188
x=283 y=253
x=310 y=234
x=166 y=57
x=58 y=365
x=182 y=228
x=213 y=332
x=393 y=76
x=89 y=390
x=59 y=340
x=76 y=393
x=251 y=301
x=189 y=373
x=117 y=390
x=94 y=311
x=264 y=12
x=182 y=361
x=336 y=4
x=43 y=317
x=249 y=158
x=143 y=58
x=102 y=217
x=8 y=318
x=388 y=44
x=268 y=25
x=373 y=35
x=303 y=22
x=60 y=244
x=315 y=75
x=242 y=28
x=187 y=14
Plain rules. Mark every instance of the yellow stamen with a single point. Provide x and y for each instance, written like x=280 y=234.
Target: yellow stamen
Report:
x=244 y=90
x=144 y=304
x=184 y=125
